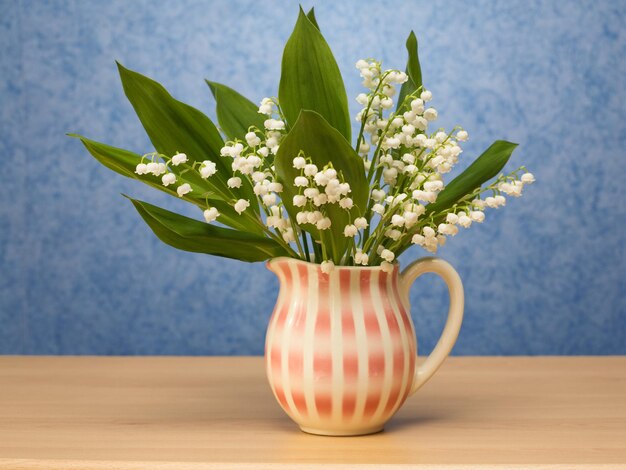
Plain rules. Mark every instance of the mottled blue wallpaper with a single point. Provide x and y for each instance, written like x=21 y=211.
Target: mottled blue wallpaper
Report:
x=80 y=273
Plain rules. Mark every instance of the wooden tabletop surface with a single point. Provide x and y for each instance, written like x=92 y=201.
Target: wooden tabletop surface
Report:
x=216 y=412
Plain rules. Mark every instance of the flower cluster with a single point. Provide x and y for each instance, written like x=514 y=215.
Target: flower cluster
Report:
x=251 y=162
x=163 y=169
x=404 y=162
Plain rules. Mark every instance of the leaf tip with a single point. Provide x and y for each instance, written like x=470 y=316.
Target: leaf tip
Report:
x=311 y=16
x=123 y=72
x=304 y=18
x=135 y=202
x=507 y=143
x=411 y=41
x=212 y=86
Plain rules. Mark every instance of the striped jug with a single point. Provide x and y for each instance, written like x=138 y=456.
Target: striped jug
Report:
x=340 y=350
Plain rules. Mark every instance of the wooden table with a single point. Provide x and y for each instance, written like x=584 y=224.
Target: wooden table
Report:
x=208 y=413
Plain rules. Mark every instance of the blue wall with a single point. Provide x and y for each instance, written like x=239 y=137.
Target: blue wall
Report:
x=81 y=273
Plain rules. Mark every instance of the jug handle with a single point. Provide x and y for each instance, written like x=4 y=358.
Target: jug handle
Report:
x=455 y=313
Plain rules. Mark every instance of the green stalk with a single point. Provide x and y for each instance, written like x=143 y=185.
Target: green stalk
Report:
x=367 y=110
x=279 y=240
x=305 y=243
x=296 y=235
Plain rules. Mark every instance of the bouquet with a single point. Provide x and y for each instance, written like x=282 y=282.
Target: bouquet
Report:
x=283 y=179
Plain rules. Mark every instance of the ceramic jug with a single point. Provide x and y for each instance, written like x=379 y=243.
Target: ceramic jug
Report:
x=341 y=350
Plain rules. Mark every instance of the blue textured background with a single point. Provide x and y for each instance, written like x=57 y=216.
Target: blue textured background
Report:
x=82 y=274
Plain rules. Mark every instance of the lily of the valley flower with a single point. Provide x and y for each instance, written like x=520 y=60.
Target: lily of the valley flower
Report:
x=404 y=159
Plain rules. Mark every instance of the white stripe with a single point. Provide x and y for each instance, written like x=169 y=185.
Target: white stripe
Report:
x=336 y=337
x=293 y=304
x=358 y=317
x=308 y=343
x=379 y=308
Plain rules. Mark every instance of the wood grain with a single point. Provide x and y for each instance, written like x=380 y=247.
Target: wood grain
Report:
x=207 y=413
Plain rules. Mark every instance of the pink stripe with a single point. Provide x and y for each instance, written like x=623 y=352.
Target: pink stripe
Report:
x=280 y=395
x=350 y=368
x=397 y=395
x=350 y=356
x=348 y=405
x=323 y=366
x=324 y=404
x=296 y=330
x=410 y=332
x=273 y=351
x=394 y=328
x=295 y=362
x=322 y=351
x=284 y=296
x=369 y=315
x=322 y=322
x=393 y=396
x=394 y=332
x=298 y=399
x=376 y=361
x=275 y=359
x=399 y=300
x=350 y=361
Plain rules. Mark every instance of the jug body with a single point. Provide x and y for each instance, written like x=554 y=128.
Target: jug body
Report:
x=340 y=347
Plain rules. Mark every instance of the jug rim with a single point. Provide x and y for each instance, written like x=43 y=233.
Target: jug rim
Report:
x=279 y=259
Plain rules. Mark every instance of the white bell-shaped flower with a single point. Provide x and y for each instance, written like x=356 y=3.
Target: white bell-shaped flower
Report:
x=183 y=189
x=179 y=158
x=168 y=178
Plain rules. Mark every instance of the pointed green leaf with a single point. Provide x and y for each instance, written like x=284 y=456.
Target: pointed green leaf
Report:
x=482 y=170
x=311 y=16
x=413 y=69
x=192 y=235
x=322 y=143
x=235 y=113
x=174 y=127
x=310 y=78
x=124 y=162
x=119 y=160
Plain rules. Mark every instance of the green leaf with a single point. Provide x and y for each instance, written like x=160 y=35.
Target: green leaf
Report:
x=235 y=113
x=124 y=162
x=413 y=70
x=192 y=235
x=483 y=169
x=311 y=16
x=310 y=78
x=322 y=143
x=174 y=127
x=119 y=160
